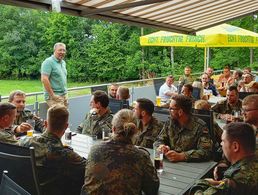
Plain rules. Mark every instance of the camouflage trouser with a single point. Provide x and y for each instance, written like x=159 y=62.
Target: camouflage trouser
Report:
x=58 y=100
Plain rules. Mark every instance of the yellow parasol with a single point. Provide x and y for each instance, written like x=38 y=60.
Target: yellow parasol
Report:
x=223 y=35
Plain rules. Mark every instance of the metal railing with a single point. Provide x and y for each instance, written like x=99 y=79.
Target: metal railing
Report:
x=37 y=94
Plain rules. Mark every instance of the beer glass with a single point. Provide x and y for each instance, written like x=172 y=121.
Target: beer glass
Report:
x=158 y=158
x=158 y=101
x=31 y=122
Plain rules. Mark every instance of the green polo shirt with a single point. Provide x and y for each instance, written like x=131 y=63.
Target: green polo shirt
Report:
x=57 y=73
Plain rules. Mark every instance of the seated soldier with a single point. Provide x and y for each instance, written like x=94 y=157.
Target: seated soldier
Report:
x=98 y=118
x=238 y=145
x=123 y=94
x=209 y=72
x=20 y=126
x=235 y=79
x=208 y=88
x=186 y=78
x=250 y=112
x=117 y=166
x=7 y=116
x=167 y=90
x=187 y=90
x=184 y=137
x=113 y=90
x=248 y=84
x=60 y=166
x=148 y=126
x=224 y=108
x=223 y=80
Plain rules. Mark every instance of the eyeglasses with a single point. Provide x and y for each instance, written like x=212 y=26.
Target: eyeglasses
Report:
x=170 y=109
x=248 y=110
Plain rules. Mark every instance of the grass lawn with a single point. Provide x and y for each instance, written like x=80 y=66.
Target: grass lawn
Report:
x=29 y=86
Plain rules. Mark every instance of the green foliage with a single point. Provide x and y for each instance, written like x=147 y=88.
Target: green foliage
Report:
x=98 y=51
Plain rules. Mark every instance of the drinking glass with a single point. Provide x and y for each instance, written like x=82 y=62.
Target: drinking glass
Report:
x=31 y=122
x=158 y=158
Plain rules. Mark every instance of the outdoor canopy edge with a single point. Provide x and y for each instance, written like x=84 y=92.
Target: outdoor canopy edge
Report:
x=183 y=16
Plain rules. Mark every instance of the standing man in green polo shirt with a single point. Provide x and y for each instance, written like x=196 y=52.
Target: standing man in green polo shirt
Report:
x=54 y=77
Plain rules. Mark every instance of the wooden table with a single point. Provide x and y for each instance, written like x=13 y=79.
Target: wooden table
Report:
x=177 y=178
x=221 y=123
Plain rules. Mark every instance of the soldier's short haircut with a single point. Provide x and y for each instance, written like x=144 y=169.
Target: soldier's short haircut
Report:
x=183 y=102
x=101 y=97
x=188 y=67
x=248 y=69
x=239 y=73
x=15 y=93
x=226 y=67
x=251 y=100
x=233 y=88
x=57 y=117
x=243 y=133
x=58 y=44
x=170 y=77
x=146 y=105
x=123 y=93
x=5 y=109
x=189 y=87
x=114 y=84
x=124 y=122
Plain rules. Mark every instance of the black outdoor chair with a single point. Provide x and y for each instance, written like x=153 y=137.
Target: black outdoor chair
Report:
x=9 y=187
x=207 y=117
x=116 y=105
x=102 y=88
x=20 y=164
x=196 y=93
x=157 y=84
x=242 y=95
x=162 y=114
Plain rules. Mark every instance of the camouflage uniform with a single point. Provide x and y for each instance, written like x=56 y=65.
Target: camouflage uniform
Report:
x=223 y=107
x=93 y=124
x=24 y=116
x=146 y=136
x=240 y=178
x=7 y=136
x=118 y=167
x=193 y=139
x=58 y=163
x=186 y=80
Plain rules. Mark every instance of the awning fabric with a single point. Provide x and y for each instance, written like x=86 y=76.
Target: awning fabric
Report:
x=223 y=35
x=183 y=16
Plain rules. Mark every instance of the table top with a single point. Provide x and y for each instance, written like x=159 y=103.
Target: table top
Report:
x=214 y=99
x=221 y=123
x=177 y=178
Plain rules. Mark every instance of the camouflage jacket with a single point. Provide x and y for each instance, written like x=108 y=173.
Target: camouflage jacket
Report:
x=24 y=116
x=186 y=80
x=193 y=139
x=146 y=136
x=93 y=124
x=223 y=107
x=240 y=178
x=7 y=136
x=118 y=167
x=58 y=163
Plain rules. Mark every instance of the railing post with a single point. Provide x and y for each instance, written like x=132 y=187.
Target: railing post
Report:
x=36 y=106
x=132 y=94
